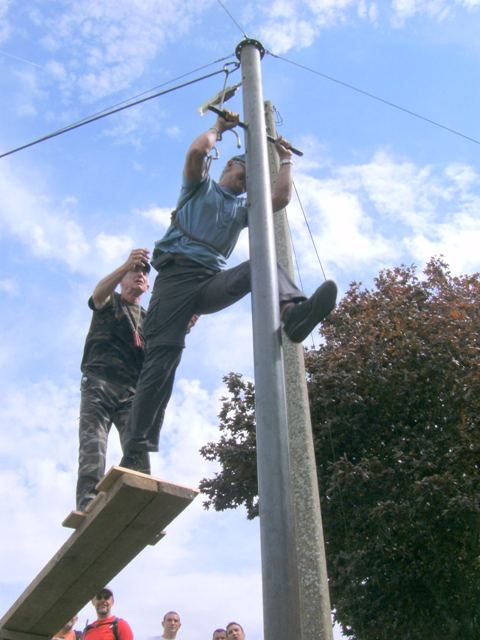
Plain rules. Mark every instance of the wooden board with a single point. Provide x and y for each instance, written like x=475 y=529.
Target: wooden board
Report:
x=130 y=512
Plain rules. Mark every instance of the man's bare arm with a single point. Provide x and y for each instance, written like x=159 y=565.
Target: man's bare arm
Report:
x=282 y=189
x=107 y=285
x=194 y=169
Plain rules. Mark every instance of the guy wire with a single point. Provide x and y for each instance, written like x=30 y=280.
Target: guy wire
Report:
x=378 y=98
x=309 y=230
x=232 y=18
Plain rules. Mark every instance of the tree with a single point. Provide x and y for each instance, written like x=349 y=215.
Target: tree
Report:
x=395 y=398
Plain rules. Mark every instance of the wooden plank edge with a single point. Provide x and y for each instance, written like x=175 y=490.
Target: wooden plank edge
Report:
x=159 y=536
x=9 y=634
x=74 y=519
x=116 y=472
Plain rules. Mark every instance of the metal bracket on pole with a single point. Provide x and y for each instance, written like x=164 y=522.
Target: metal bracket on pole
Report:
x=249 y=41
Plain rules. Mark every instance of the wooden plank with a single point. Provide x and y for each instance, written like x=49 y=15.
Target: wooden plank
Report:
x=131 y=512
x=19 y=635
x=74 y=519
x=83 y=548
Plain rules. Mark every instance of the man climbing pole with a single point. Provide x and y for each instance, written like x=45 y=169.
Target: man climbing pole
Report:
x=191 y=279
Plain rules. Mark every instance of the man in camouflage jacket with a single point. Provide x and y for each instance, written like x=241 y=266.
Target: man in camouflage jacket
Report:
x=112 y=360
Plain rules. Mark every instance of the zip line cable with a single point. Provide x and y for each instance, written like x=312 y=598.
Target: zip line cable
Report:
x=158 y=86
x=375 y=97
x=232 y=18
x=109 y=112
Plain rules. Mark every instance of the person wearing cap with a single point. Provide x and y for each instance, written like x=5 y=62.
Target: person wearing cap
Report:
x=112 y=359
x=190 y=260
x=106 y=626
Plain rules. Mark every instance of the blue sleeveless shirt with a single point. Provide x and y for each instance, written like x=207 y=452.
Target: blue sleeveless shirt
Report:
x=211 y=213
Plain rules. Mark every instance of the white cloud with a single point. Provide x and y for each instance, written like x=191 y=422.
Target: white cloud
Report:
x=32 y=219
x=440 y=10
x=134 y=125
x=173 y=132
x=4 y=24
x=296 y=24
x=158 y=215
x=9 y=285
x=106 y=44
x=366 y=216
x=37 y=472
x=50 y=230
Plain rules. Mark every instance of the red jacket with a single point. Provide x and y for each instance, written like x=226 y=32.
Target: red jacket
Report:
x=105 y=630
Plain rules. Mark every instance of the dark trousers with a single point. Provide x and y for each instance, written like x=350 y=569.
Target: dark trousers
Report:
x=102 y=404
x=182 y=288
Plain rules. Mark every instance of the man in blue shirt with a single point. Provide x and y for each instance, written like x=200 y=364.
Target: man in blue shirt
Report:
x=191 y=279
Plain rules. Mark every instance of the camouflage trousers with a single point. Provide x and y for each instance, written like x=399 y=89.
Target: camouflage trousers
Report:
x=102 y=404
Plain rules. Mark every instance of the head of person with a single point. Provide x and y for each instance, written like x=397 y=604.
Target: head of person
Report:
x=171 y=624
x=135 y=282
x=235 y=631
x=219 y=634
x=234 y=175
x=103 y=602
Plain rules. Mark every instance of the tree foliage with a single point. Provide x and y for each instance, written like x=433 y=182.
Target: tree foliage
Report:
x=395 y=398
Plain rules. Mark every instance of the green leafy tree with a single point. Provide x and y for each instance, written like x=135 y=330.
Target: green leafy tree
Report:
x=395 y=403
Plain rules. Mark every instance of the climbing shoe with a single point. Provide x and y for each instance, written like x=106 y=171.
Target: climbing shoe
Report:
x=300 y=318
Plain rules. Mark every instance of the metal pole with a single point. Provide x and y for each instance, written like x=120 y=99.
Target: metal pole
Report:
x=280 y=580
x=315 y=610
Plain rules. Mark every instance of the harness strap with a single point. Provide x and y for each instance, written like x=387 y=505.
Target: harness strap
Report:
x=113 y=626
x=176 y=223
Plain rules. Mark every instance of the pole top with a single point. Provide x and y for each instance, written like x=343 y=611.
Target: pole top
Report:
x=249 y=41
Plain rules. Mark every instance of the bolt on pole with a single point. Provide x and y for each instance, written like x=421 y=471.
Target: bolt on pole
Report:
x=279 y=571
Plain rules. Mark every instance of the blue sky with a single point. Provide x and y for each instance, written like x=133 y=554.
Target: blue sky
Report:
x=379 y=188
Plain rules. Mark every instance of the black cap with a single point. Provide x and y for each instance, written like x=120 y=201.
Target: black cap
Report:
x=105 y=589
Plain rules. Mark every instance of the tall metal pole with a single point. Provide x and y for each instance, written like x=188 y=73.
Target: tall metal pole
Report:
x=279 y=574
x=315 y=609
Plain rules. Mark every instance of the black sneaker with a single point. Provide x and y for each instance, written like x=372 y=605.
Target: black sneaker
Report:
x=136 y=461
x=302 y=317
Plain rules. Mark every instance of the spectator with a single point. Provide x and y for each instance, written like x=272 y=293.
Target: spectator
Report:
x=106 y=626
x=171 y=624
x=235 y=631
x=112 y=359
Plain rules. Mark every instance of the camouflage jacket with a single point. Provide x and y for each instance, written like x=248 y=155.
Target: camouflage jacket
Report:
x=110 y=352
